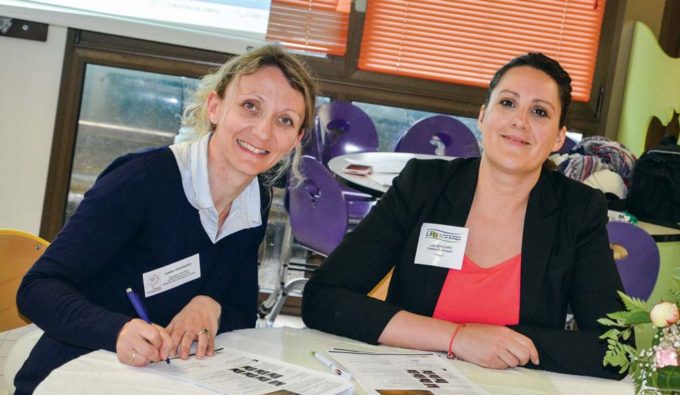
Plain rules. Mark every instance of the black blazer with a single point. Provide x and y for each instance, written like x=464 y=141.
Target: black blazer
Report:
x=566 y=260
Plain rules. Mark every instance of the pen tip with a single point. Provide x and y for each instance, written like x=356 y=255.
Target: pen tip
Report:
x=128 y=290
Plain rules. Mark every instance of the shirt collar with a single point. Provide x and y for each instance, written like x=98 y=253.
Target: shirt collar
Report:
x=192 y=160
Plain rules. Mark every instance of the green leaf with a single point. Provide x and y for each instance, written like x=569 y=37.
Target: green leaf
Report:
x=667 y=378
x=608 y=322
x=633 y=304
x=617 y=355
x=611 y=334
x=625 y=335
x=638 y=317
x=619 y=315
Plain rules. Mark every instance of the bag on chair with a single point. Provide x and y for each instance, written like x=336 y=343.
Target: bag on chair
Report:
x=655 y=191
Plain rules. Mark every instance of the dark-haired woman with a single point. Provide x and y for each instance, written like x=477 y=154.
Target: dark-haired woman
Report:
x=536 y=244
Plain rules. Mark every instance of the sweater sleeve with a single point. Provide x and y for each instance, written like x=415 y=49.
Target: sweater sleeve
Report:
x=335 y=298
x=110 y=214
x=592 y=295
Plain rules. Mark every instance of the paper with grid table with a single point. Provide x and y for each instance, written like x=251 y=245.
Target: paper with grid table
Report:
x=397 y=372
x=235 y=372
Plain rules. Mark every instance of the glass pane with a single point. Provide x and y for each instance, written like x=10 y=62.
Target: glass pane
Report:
x=123 y=111
x=392 y=122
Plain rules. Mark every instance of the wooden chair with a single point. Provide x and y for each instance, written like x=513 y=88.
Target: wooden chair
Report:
x=18 y=251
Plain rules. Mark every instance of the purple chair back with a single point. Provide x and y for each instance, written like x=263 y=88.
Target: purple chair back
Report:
x=345 y=129
x=316 y=208
x=567 y=146
x=638 y=261
x=439 y=135
x=312 y=144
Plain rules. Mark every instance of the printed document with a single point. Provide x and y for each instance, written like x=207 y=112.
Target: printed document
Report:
x=394 y=372
x=235 y=372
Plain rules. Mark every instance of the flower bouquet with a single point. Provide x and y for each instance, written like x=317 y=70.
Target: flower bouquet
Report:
x=654 y=370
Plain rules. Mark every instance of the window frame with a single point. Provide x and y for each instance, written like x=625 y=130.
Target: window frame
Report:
x=338 y=78
x=83 y=48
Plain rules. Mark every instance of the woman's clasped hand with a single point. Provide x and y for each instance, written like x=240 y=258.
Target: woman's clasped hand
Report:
x=493 y=346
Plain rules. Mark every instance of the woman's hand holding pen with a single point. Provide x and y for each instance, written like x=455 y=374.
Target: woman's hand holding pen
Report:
x=494 y=346
x=140 y=343
x=197 y=322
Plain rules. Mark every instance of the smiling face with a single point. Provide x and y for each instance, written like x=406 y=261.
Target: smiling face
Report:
x=520 y=123
x=258 y=122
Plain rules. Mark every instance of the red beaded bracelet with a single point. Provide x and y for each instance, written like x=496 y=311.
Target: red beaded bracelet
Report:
x=450 y=354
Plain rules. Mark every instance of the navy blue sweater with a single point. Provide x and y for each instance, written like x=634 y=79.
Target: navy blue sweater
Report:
x=136 y=218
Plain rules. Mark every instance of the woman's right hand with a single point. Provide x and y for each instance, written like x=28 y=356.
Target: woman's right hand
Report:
x=494 y=346
x=140 y=343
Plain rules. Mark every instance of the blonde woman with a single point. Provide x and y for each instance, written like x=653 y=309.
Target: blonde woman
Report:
x=181 y=225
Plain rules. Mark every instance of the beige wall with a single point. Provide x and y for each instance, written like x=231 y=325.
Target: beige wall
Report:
x=30 y=72
x=649 y=12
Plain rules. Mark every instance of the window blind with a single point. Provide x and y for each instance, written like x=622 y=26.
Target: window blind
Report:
x=310 y=25
x=466 y=41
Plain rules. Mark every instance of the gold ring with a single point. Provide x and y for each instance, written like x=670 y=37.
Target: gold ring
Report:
x=203 y=331
x=134 y=354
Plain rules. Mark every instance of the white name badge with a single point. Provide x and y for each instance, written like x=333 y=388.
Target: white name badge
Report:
x=171 y=276
x=441 y=245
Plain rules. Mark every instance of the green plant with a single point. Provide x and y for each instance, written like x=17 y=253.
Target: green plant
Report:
x=654 y=370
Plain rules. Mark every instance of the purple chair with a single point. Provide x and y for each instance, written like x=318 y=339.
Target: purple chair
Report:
x=439 y=135
x=566 y=146
x=318 y=219
x=344 y=129
x=637 y=258
x=312 y=144
x=317 y=209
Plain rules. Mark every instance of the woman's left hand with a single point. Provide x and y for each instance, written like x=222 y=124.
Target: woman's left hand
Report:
x=197 y=321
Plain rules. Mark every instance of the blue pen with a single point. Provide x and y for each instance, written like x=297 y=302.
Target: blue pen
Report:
x=139 y=308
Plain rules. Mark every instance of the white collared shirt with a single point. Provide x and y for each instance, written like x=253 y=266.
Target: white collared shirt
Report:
x=192 y=160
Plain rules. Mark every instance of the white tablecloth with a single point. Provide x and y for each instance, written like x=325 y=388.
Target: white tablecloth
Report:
x=100 y=372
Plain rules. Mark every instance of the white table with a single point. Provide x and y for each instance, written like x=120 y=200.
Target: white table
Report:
x=100 y=372
x=386 y=166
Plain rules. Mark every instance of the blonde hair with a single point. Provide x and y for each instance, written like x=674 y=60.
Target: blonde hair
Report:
x=195 y=116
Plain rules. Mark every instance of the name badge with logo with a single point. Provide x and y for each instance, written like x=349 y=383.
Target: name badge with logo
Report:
x=441 y=245
x=171 y=276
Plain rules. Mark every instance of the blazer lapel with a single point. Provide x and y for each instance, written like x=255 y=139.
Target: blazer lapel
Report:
x=454 y=206
x=451 y=208
x=540 y=224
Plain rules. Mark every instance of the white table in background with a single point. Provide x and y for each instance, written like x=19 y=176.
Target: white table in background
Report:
x=386 y=166
x=100 y=372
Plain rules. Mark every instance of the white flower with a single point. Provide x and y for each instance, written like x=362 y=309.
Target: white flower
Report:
x=664 y=314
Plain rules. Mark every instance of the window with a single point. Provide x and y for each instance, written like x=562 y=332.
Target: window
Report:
x=465 y=42
x=345 y=78
x=310 y=25
x=391 y=122
x=122 y=111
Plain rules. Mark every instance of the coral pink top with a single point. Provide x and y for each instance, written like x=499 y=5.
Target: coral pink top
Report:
x=483 y=296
